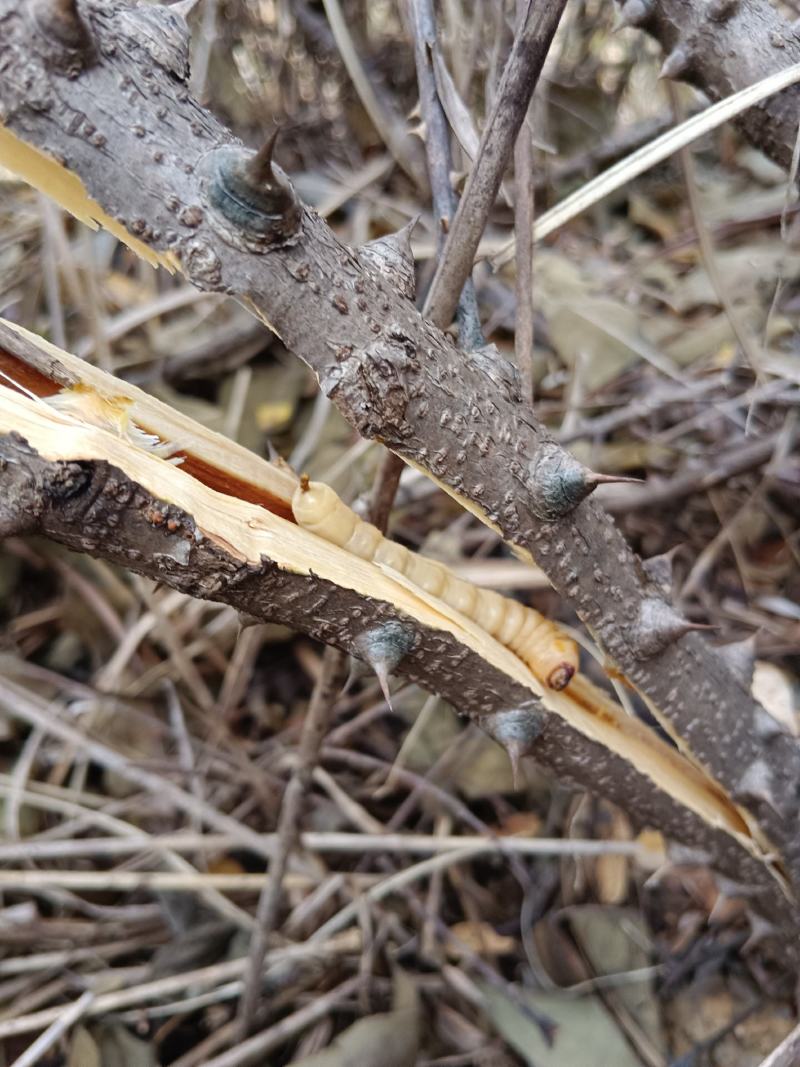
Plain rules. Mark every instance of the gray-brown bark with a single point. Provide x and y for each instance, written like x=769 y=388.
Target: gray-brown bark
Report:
x=95 y=508
x=721 y=46
x=120 y=116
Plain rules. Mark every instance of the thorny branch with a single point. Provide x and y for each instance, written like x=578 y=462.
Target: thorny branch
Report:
x=92 y=507
x=108 y=98
x=721 y=46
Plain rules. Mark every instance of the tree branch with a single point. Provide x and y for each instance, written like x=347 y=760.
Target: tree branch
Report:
x=118 y=113
x=440 y=163
x=92 y=506
x=521 y=74
x=721 y=46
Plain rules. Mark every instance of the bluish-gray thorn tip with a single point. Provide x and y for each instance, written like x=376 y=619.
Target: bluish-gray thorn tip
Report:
x=676 y=65
x=659 y=625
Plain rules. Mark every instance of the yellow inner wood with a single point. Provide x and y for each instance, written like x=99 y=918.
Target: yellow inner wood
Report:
x=248 y=532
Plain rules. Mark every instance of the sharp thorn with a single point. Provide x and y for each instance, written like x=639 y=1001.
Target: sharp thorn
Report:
x=65 y=9
x=61 y=20
x=383 y=680
x=740 y=658
x=352 y=677
x=516 y=730
x=676 y=65
x=259 y=168
x=404 y=233
x=384 y=647
x=720 y=10
x=659 y=625
x=659 y=568
x=514 y=750
x=184 y=8
x=393 y=257
x=593 y=479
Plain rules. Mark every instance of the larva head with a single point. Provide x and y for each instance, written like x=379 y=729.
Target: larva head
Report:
x=560 y=676
x=313 y=503
x=517 y=730
x=384 y=647
x=256 y=201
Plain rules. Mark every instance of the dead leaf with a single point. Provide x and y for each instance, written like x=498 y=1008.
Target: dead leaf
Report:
x=520 y=823
x=610 y=871
x=457 y=112
x=389 y=1039
x=586 y=1033
x=775 y=690
x=83 y=1050
x=615 y=941
x=483 y=939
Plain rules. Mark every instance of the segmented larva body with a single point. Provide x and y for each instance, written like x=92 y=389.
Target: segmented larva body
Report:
x=538 y=642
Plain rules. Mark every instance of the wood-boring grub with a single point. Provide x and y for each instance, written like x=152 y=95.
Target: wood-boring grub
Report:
x=112 y=515
x=540 y=643
x=454 y=414
x=244 y=532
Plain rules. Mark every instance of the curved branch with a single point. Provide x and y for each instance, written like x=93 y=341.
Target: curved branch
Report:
x=92 y=506
x=721 y=46
x=119 y=115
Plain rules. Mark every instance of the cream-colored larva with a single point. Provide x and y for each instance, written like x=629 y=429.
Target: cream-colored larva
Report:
x=537 y=641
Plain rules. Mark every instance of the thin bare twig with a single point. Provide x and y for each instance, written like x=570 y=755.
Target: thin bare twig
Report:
x=440 y=161
x=523 y=229
x=260 y=1044
x=335 y=841
x=649 y=155
x=227 y=971
x=44 y=1042
x=520 y=77
x=20 y=704
x=314 y=727
x=787 y=1053
x=747 y=342
x=392 y=132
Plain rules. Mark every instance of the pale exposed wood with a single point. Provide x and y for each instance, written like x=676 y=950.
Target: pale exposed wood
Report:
x=250 y=533
x=392 y=375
